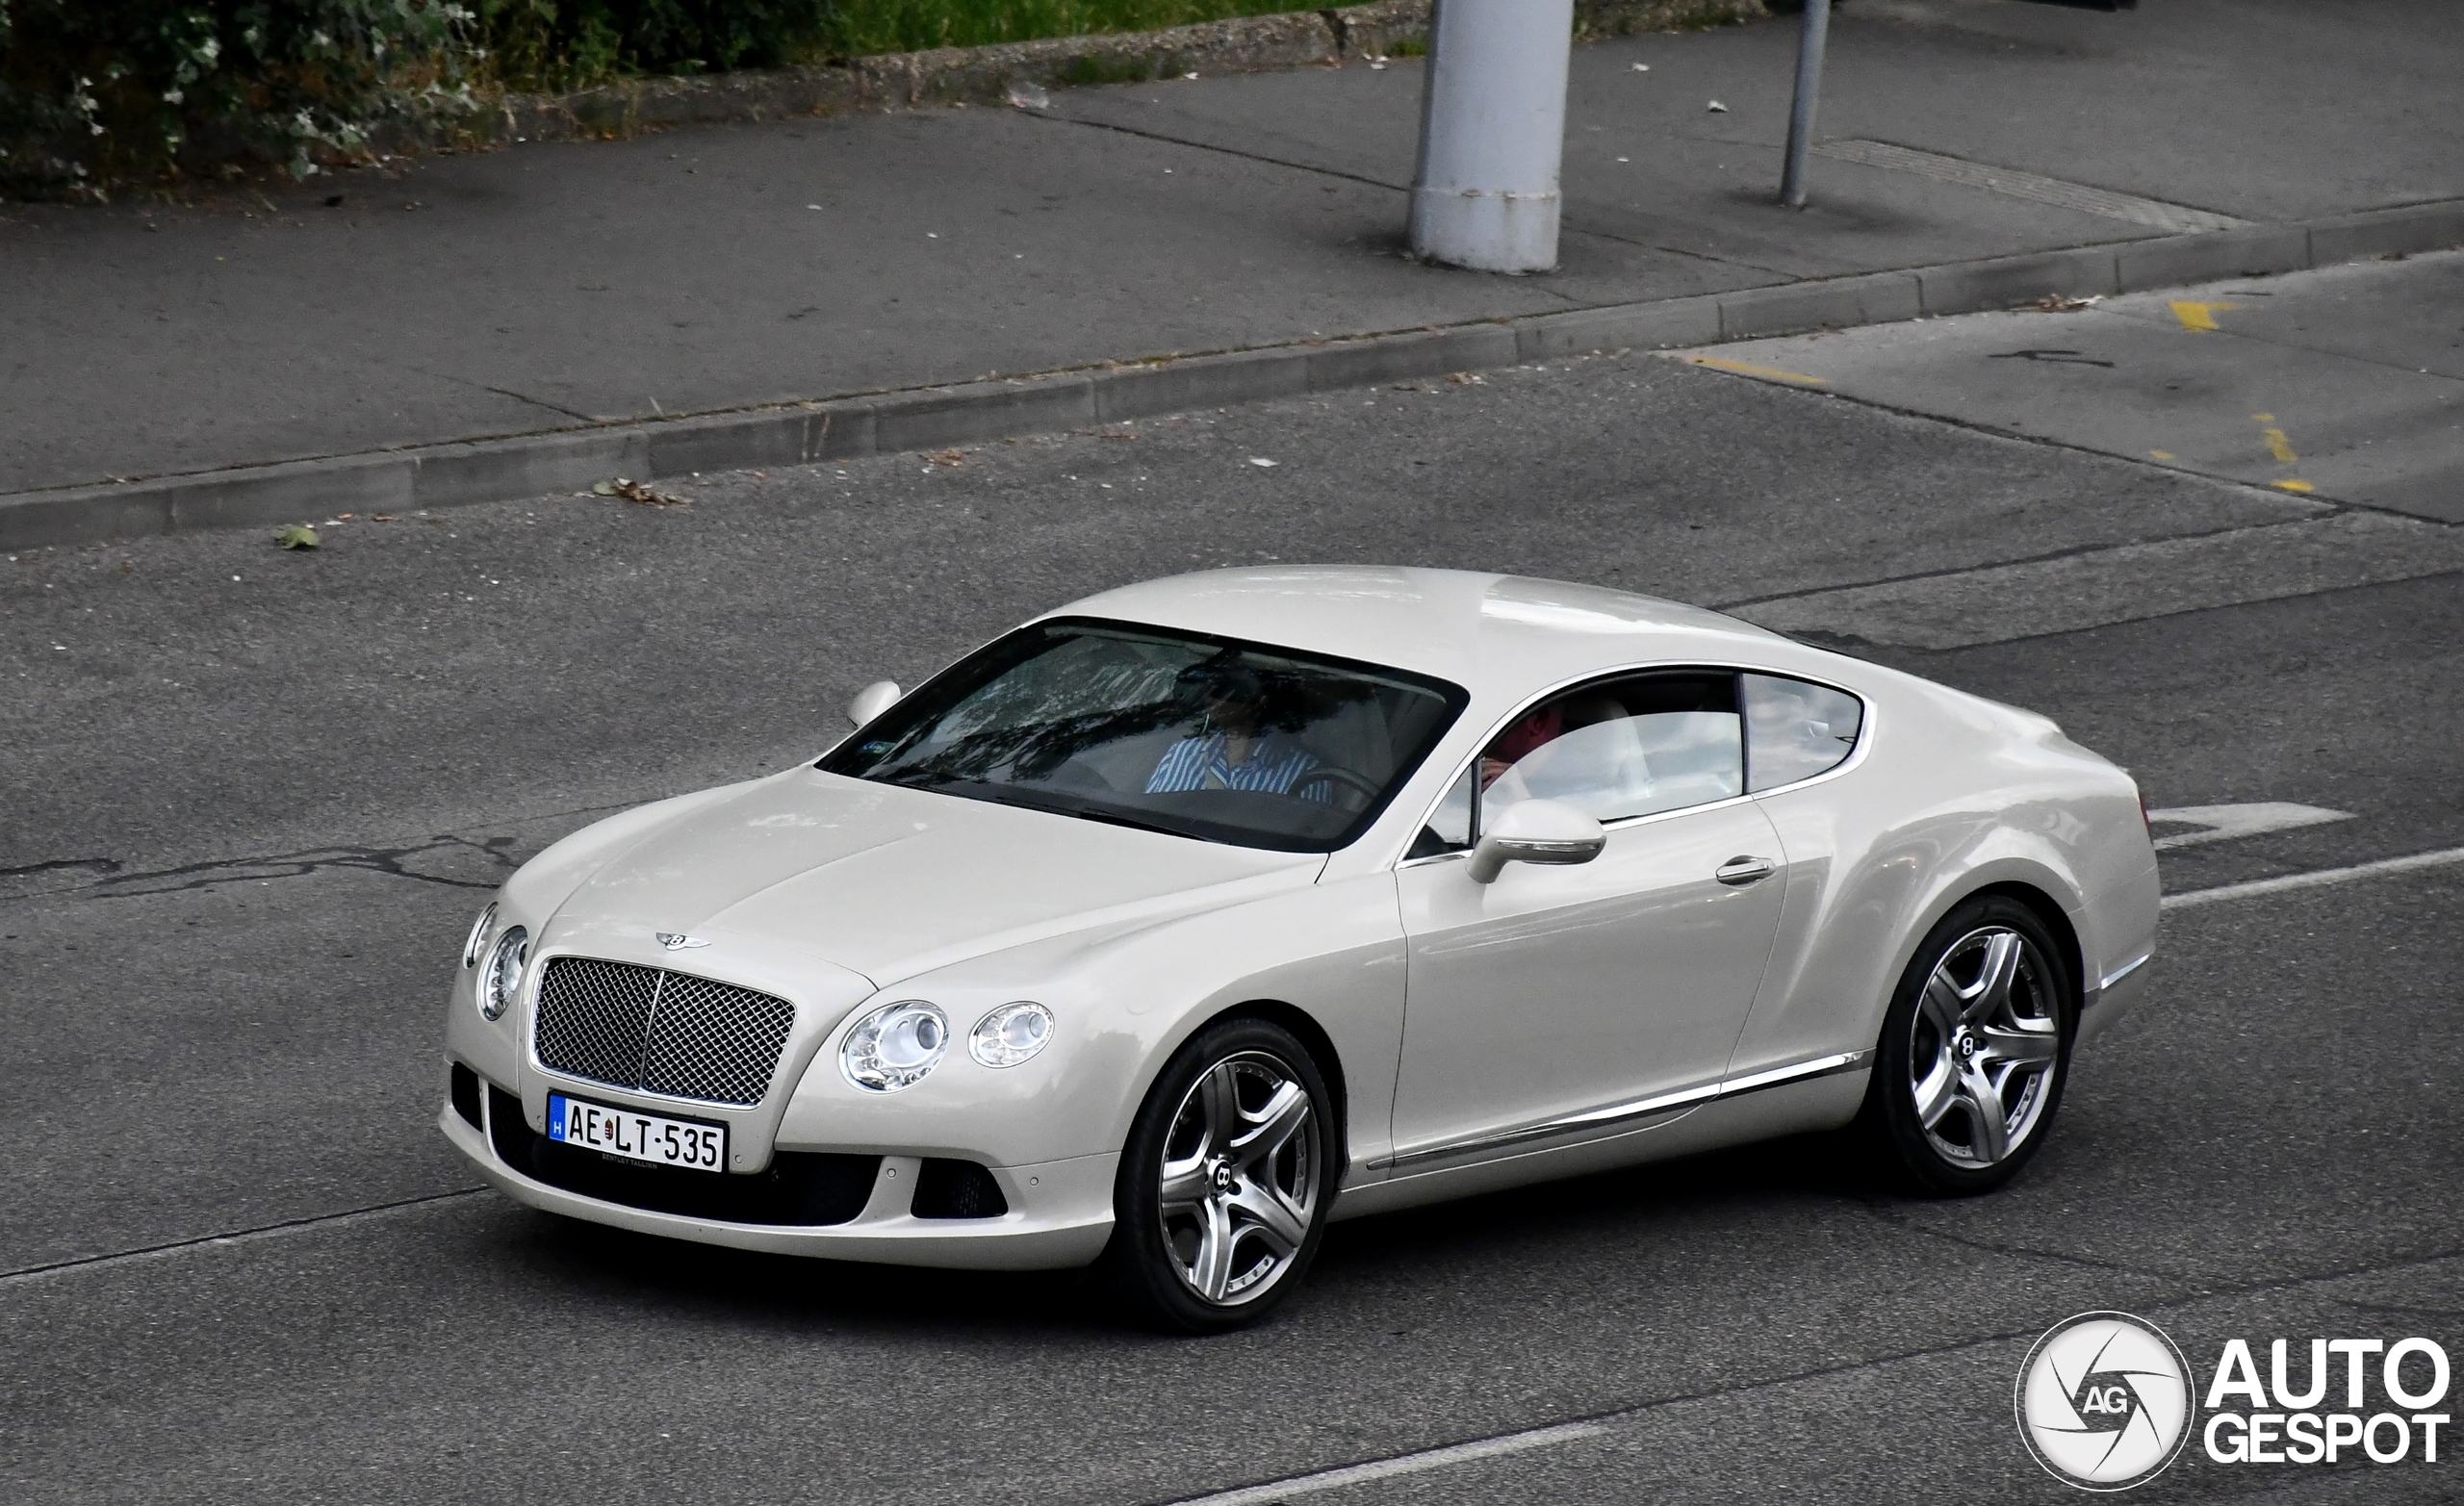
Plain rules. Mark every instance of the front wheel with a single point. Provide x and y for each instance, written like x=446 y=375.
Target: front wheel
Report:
x=1974 y=1052
x=1225 y=1181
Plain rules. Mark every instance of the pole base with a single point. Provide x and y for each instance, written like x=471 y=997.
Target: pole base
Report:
x=1485 y=232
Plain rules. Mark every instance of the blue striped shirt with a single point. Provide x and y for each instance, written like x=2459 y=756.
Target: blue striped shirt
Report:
x=1198 y=763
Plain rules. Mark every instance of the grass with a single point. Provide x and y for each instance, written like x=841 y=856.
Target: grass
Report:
x=862 y=27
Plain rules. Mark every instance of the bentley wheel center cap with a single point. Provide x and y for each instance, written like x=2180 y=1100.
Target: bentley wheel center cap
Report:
x=1220 y=1174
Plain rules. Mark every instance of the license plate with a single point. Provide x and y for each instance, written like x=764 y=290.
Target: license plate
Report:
x=637 y=1136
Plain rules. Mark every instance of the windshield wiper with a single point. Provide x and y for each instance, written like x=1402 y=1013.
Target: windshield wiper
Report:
x=1115 y=818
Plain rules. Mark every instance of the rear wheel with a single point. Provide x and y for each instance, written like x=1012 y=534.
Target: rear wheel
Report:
x=1974 y=1052
x=1225 y=1181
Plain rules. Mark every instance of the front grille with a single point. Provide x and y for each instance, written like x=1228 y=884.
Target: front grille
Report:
x=799 y=1188
x=659 y=1032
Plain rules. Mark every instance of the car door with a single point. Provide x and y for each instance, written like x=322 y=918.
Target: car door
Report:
x=1557 y=991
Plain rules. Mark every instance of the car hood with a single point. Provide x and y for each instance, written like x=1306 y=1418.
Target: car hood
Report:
x=890 y=882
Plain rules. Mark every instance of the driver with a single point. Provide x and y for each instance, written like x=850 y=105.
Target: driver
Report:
x=1233 y=749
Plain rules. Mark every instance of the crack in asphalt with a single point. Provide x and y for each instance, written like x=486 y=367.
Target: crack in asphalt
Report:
x=105 y=864
x=2324 y=500
x=391 y=861
x=154 y=1252
x=265 y=867
x=2047 y=556
x=1574 y=1428
x=1901 y=1221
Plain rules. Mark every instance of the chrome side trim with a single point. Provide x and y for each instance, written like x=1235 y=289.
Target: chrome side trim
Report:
x=1819 y=1067
x=2124 y=971
x=1633 y=1110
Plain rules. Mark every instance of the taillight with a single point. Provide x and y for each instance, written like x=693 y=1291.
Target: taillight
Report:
x=2145 y=825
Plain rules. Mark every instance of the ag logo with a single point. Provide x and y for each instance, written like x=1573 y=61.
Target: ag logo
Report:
x=2104 y=1401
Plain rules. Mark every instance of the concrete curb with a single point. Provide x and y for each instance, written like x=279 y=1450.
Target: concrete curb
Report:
x=567 y=460
x=983 y=75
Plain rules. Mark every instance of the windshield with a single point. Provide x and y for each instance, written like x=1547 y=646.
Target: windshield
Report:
x=1197 y=737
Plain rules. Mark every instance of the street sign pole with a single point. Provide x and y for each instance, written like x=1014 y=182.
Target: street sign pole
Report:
x=1810 y=45
x=1493 y=134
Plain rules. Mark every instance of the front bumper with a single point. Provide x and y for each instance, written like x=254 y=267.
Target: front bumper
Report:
x=1059 y=1215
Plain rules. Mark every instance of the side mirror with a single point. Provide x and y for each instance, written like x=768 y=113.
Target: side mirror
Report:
x=1536 y=832
x=871 y=701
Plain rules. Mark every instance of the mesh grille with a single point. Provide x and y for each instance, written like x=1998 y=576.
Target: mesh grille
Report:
x=710 y=1040
x=660 y=1032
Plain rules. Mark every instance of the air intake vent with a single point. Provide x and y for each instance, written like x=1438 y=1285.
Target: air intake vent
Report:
x=957 y=1189
x=659 y=1032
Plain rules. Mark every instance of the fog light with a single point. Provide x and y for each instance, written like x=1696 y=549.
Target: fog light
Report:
x=895 y=1046
x=1009 y=1035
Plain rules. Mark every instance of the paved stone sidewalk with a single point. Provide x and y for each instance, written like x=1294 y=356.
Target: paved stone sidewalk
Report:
x=547 y=287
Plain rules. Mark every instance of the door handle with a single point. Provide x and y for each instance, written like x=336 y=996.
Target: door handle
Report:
x=1741 y=871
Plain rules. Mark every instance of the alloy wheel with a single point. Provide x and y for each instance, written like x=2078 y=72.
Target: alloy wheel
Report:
x=1239 y=1179
x=1983 y=1048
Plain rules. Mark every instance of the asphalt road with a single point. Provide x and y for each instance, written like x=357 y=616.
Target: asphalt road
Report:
x=255 y=796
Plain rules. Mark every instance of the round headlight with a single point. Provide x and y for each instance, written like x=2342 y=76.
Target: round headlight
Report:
x=477 y=940
x=894 y=1046
x=1009 y=1035
x=501 y=980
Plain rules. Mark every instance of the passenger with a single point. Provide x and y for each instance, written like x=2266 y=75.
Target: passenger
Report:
x=1234 y=749
x=1527 y=736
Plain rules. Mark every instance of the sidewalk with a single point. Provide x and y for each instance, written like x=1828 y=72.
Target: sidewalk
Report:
x=550 y=286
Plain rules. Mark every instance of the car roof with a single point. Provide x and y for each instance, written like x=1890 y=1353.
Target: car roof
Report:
x=1494 y=634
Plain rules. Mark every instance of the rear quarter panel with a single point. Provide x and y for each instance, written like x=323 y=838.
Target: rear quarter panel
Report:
x=1949 y=794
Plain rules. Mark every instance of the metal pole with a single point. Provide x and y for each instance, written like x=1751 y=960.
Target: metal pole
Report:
x=1810 y=43
x=1493 y=134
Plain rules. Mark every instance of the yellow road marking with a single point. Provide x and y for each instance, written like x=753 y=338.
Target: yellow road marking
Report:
x=2279 y=447
x=2198 y=316
x=1758 y=370
x=2293 y=486
x=2161 y=454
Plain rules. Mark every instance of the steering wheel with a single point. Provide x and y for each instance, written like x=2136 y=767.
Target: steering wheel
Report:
x=1329 y=774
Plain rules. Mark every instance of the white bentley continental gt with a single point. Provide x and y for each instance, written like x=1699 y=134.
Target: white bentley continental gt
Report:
x=1174 y=924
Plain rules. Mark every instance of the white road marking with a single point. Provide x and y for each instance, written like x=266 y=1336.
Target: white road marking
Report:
x=2317 y=878
x=2222 y=822
x=1401 y=1463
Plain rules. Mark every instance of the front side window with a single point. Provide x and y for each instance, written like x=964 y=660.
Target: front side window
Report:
x=1623 y=748
x=1795 y=731
x=1191 y=734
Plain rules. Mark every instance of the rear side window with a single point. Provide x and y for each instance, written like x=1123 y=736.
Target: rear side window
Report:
x=1625 y=748
x=1794 y=730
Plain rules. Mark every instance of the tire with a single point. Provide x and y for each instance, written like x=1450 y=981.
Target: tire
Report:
x=1225 y=1183
x=1982 y=1024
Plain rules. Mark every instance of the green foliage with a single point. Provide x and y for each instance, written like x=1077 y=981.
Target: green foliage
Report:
x=96 y=91
x=857 y=27
x=102 y=92
x=565 y=44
